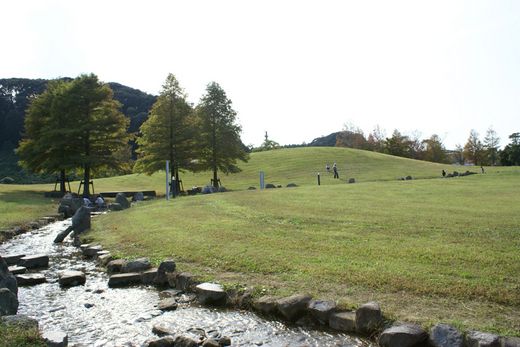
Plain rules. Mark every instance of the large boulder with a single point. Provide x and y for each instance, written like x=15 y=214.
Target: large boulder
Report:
x=122 y=200
x=211 y=294
x=8 y=302
x=182 y=280
x=168 y=304
x=166 y=341
x=20 y=321
x=293 y=307
x=369 y=317
x=149 y=276
x=510 y=341
x=444 y=335
x=69 y=205
x=209 y=189
x=80 y=223
x=7 y=279
x=480 y=339
x=406 y=335
x=165 y=267
x=136 y=265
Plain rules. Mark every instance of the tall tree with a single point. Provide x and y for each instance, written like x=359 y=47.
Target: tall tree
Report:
x=78 y=124
x=376 y=139
x=397 y=144
x=510 y=155
x=474 y=149
x=491 y=145
x=44 y=148
x=168 y=134
x=434 y=150
x=220 y=135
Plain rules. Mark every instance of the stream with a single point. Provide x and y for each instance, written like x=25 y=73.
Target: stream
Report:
x=95 y=315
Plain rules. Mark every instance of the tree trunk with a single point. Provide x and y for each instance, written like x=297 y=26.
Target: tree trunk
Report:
x=215 y=177
x=63 y=190
x=177 y=180
x=86 y=179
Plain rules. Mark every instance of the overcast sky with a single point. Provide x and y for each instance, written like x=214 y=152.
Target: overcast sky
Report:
x=296 y=69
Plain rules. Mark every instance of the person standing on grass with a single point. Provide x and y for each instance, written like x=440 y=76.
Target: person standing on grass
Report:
x=327 y=167
x=335 y=169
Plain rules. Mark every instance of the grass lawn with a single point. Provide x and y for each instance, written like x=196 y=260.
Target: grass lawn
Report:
x=20 y=204
x=428 y=250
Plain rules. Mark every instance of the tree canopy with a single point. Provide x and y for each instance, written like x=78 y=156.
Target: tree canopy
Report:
x=168 y=134
x=219 y=134
x=74 y=124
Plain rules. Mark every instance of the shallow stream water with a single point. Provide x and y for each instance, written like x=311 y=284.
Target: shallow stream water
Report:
x=95 y=315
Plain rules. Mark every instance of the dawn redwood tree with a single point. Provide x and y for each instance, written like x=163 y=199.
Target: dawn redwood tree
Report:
x=169 y=133
x=473 y=149
x=45 y=146
x=491 y=145
x=220 y=142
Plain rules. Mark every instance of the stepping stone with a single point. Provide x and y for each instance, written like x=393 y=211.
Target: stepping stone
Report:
x=481 y=339
x=167 y=304
x=34 y=261
x=169 y=293
x=17 y=270
x=100 y=253
x=72 y=278
x=12 y=259
x=162 y=329
x=137 y=265
x=115 y=265
x=211 y=294
x=30 y=279
x=149 y=277
x=55 y=338
x=104 y=259
x=91 y=251
x=123 y=280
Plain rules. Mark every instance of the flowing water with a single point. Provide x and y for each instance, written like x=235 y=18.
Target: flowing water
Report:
x=95 y=315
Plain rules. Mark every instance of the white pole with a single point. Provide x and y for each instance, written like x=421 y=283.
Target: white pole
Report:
x=167 y=180
x=262 y=180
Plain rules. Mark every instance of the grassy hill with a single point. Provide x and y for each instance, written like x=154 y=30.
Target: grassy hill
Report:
x=294 y=165
x=429 y=250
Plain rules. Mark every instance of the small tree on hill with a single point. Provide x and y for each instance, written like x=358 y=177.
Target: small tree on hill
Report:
x=434 y=150
x=491 y=144
x=473 y=149
x=168 y=134
x=219 y=134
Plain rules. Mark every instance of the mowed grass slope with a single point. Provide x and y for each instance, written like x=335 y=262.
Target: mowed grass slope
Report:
x=428 y=250
x=294 y=165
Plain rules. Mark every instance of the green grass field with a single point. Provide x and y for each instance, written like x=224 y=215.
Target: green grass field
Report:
x=429 y=250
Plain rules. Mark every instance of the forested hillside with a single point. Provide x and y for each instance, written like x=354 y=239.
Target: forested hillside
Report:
x=15 y=95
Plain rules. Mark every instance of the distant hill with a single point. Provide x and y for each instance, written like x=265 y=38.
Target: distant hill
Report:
x=15 y=94
x=328 y=141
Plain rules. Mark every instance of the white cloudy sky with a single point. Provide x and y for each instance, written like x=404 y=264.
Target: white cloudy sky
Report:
x=297 y=69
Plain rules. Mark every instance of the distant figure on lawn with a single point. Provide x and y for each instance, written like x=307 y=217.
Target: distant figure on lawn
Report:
x=87 y=202
x=482 y=168
x=335 y=169
x=443 y=173
x=327 y=167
